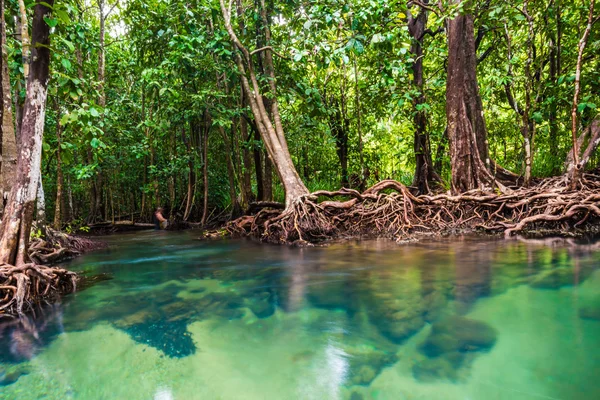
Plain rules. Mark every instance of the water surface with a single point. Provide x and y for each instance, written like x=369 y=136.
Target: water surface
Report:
x=461 y=318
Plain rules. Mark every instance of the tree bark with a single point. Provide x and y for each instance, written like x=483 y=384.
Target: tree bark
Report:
x=207 y=125
x=247 y=195
x=425 y=174
x=575 y=170
x=271 y=130
x=8 y=143
x=464 y=111
x=57 y=224
x=17 y=219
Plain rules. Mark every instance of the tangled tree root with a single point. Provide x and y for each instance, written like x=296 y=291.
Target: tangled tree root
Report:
x=24 y=287
x=58 y=246
x=389 y=209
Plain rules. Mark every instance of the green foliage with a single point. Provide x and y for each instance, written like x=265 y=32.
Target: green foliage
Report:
x=170 y=65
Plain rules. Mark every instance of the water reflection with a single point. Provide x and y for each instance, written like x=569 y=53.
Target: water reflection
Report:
x=345 y=314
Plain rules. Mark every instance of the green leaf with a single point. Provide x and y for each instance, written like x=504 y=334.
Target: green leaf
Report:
x=298 y=57
x=66 y=63
x=95 y=143
x=94 y=112
x=52 y=22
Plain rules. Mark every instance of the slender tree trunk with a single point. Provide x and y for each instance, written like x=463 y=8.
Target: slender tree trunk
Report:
x=247 y=195
x=191 y=174
x=59 y=179
x=258 y=167
x=25 y=42
x=361 y=158
x=576 y=168
x=268 y=178
x=207 y=125
x=18 y=215
x=8 y=143
x=271 y=130
x=424 y=171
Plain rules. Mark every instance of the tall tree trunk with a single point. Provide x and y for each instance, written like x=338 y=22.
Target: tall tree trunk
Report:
x=271 y=130
x=246 y=137
x=258 y=166
x=464 y=111
x=361 y=158
x=191 y=174
x=207 y=125
x=25 y=42
x=18 y=215
x=576 y=168
x=268 y=178
x=8 y=143
x=424 y=171
x=59 y=179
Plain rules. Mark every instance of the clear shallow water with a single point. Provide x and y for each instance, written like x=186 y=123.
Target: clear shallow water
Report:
x=183 y=319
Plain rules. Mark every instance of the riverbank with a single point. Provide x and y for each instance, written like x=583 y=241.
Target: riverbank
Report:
x=389 y=209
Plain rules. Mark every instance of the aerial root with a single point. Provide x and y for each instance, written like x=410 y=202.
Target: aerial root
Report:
x=389 y=209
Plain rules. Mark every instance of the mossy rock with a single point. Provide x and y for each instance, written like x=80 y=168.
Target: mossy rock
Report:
x=366 y=362
x=458 y=334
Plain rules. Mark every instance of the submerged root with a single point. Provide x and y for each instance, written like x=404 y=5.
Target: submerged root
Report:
x=389 y=209
x=26 y=286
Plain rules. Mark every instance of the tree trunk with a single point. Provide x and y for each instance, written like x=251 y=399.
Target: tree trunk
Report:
x=424 y=171
x=576 y=168
x=8 y=143
x=268 y=178
x=258 y=166
x=246 y=187
x=191 y=174
x=17 y=219
x=464 y=110
x=40 y=218
x=207 y=125
x=59 y=180
x=271 y=130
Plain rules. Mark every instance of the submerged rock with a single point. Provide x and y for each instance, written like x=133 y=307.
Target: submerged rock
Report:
x=450 y=347
x=458 y=334
x=12 y=376
x=261 y=304
x=591 y=309
x=366 y=362
x=553 y=279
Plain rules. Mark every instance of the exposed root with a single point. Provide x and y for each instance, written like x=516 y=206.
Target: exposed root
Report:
x=388 y=209
x=23 y=287
x=58 y=246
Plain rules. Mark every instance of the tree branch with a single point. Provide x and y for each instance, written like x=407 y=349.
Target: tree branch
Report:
x=253 y=52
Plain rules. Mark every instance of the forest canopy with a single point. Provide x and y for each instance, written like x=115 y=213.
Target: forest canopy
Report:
x=146 y=105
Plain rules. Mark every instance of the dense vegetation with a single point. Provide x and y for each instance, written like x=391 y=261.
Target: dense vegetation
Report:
x=207 y=107
x=143 y=95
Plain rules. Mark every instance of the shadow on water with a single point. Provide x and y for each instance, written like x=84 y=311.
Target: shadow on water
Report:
x=381 y=294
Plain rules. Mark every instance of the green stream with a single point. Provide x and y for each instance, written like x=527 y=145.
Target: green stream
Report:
x=178 y=318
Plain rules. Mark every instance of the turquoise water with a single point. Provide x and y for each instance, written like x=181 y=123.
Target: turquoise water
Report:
x=176 y=318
